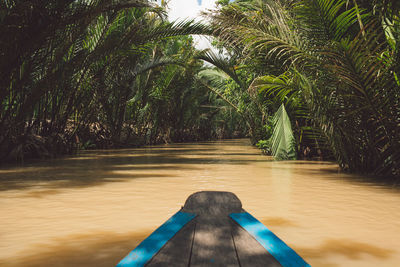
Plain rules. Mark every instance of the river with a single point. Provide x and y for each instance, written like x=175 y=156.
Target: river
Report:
x=92 y=209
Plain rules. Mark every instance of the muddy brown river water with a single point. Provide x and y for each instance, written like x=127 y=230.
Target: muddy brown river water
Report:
x=92 y=209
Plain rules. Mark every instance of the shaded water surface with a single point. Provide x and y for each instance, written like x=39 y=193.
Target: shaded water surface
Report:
x=91 y=210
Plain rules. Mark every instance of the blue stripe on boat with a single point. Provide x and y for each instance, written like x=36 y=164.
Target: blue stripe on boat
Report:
x=286 y=256
x=151 y=245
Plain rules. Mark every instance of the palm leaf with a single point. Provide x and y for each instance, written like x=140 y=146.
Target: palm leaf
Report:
x=326 y=20
x=222 y=63
x=283 y=145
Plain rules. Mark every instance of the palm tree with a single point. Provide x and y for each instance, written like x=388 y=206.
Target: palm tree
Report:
x=345 y=61
x=58 y=53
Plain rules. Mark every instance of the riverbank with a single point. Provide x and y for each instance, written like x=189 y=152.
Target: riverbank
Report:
x=75 y=138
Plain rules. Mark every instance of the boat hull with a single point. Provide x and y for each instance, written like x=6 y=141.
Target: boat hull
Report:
x=212 y=229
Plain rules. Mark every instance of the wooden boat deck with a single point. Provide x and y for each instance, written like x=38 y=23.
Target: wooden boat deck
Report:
x=213 y=236
x=212 y=243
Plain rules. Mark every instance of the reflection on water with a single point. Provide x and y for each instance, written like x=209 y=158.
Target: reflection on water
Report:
x=100 y=249
x=91 y=210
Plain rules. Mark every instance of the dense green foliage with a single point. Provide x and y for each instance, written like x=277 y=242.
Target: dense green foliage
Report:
x=99 y=73
x=335 y=65
x=106 y=73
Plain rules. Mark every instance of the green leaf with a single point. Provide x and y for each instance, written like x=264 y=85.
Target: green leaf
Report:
x=282 y=139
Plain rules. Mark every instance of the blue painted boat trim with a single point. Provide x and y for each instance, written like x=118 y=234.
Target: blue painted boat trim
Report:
x=151 y=245
x=286 y=256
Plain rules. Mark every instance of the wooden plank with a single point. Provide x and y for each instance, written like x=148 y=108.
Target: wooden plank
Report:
x=212 y=202
x=276 y=247
x=177 y=250
x=250 y=252
x=213 y=244
x=151 y=245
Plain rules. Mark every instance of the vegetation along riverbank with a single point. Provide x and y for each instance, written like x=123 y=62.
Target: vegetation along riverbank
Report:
x=301 y=78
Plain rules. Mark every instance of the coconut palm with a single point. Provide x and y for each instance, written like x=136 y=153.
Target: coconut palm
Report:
x=56 y=55
x=345 y=60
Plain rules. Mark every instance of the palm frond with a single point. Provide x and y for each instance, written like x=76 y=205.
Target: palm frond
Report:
x=222 y=63
x=327 y=20
x=280 y=88
x=283 y=146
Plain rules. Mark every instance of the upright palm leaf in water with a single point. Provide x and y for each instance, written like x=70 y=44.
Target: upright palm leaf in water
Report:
x=283 y=144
